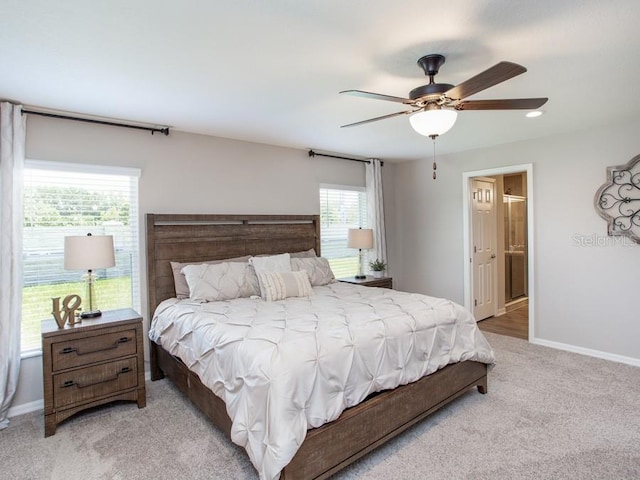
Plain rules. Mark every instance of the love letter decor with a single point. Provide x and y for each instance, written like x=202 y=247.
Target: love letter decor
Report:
x=68 y=311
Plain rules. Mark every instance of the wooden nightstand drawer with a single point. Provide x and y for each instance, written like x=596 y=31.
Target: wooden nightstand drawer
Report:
x=83 y=351
x=88 y=383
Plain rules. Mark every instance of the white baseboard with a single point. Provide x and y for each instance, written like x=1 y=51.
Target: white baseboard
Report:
x=501 y=311
x=39 y=404
x=587 y=351
x=26 y=408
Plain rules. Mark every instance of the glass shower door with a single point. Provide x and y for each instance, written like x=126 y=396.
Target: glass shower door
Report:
x=515 y=247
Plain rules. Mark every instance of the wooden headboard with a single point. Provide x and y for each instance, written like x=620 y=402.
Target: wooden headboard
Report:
x=196 y=238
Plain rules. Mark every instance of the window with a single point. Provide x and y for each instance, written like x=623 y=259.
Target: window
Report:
x=341 y=208
x=70 y=199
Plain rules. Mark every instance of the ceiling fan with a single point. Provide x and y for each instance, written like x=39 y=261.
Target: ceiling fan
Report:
x=434 y=107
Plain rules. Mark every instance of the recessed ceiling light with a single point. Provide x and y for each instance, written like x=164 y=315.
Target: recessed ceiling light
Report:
x=534 y=114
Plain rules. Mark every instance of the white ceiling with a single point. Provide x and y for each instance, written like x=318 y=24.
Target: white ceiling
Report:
x=270 y=71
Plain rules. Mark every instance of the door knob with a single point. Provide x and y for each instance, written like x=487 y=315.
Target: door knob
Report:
x=493 y=255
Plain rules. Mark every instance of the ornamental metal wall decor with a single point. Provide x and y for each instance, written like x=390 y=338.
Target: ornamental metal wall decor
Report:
x=618 y=200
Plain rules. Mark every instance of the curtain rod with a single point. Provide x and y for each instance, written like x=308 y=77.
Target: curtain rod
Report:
x=164 y=130
x=313 y=154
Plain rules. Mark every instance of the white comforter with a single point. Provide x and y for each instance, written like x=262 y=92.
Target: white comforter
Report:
x=286 y=366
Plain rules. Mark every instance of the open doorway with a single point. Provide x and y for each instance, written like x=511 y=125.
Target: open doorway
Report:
x=498 y=249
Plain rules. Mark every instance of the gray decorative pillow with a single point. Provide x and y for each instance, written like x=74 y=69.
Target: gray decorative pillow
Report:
x=215 y=282
x=180 y=283
x=317 y=269
x=281 y=285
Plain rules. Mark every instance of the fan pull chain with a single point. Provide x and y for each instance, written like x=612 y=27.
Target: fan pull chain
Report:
x=433 y=137
x=434 y=159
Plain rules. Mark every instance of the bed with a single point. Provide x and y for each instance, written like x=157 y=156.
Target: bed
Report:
x=359 y=429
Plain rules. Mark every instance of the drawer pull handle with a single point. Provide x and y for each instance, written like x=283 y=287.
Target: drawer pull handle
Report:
x=71 y=383
x=120 y=341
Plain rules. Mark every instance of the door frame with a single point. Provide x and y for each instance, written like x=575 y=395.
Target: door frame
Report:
x=466 y=233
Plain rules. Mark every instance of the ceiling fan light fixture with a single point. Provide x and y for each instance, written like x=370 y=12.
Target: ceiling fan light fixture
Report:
x=433 y=121
x=534 y=114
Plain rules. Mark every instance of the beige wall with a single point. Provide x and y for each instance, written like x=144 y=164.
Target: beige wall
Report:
x=186 y=173
x=585 y=294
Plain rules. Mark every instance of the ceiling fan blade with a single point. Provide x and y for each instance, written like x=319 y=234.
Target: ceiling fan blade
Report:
x=507 y=104
x=377 y=96
x=379 y=118
x=498 y=73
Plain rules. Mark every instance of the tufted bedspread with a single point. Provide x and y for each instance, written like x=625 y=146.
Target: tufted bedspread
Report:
x=283 y=367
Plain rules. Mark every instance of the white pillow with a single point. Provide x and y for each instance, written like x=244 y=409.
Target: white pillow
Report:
x=180 y=283
x=215 y=282
x=305 y=253
x=281 y=285
x=272 y=263
x=317 y=268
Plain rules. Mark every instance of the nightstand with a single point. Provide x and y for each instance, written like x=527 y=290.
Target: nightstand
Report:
x=91 y=363
x=370 y=281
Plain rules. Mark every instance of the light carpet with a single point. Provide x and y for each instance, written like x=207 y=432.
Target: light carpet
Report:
x=549 y=414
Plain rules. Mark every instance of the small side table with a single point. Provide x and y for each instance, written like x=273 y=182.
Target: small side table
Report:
x=370 y=281
x=91 y=363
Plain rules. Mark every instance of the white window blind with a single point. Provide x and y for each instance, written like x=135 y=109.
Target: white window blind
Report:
x=341 y=208
x=70 y=199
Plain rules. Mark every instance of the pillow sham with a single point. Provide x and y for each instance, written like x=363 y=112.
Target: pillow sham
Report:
x=281 y=285
x=304 y=254
x=317 y=268
x=180 y=282
x=214 y=282
x=271 y=263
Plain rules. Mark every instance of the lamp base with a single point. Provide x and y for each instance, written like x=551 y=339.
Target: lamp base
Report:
x=92 y=314
x=360 y=277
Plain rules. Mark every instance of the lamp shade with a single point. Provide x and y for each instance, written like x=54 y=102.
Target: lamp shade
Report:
x=360 y=238
x=88 y=252
x=433 y=122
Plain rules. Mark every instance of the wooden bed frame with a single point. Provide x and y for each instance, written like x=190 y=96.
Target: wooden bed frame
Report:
x=360 y=429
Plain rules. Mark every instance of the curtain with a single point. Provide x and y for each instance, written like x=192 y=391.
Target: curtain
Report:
x=375 y=206
x=12 y=147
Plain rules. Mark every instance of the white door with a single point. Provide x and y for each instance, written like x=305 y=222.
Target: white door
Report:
x=483 y=248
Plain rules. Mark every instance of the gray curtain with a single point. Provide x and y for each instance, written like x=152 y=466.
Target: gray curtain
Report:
x=375 y=204
x=12 y=146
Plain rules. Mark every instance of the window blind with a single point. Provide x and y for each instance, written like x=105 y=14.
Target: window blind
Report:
x=71 y=199
x=341 y=208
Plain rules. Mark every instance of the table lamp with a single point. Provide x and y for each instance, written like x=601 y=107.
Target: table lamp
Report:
x=89 y=252
x=360 y=238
